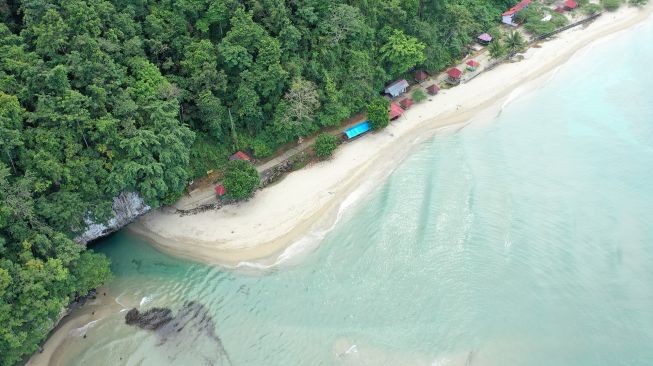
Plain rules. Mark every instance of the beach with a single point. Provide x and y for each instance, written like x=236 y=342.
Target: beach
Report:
x=310 y=200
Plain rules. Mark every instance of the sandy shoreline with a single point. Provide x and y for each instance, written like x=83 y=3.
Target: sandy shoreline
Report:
x=308 y=200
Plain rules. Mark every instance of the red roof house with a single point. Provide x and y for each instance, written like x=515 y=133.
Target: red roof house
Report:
x=570 y=5
x=472 y=65
x=406 y=103
x=395 y=111
x=508 y=17
x=421 y=75
x=433 y=89
x=239 y=155
x=454 y=73
x=220 y=190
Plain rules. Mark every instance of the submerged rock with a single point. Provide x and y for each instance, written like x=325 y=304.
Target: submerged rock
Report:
x=151 y=319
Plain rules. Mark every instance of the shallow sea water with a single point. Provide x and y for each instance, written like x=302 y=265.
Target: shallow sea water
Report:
x=526 y=240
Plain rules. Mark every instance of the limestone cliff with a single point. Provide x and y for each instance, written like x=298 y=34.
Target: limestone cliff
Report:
x=127 y=206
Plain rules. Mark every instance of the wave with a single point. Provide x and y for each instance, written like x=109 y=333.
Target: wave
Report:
x=81 y=331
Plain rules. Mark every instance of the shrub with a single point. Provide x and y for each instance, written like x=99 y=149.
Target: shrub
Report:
x=611 y=5
x=638 y=2
x=324 y=145
x=240 y=179
x=497 y=49
x=419 y=95
x=377 y=113
x=260 y=148
x=591 y=9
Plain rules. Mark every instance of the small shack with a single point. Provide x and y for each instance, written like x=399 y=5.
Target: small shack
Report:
x=472 y=65
x=220 y=190
x=396 y=88
x=406 y=103
x=421 y=75
x=395 y=111
x=454 y=75
x=484 y=39
x=239 y=155
x=570 y=5
x=433 y=89
x=508 y=17
x=357 y=130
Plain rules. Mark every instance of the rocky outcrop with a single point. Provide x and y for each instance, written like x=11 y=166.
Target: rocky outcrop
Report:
x=127 y=206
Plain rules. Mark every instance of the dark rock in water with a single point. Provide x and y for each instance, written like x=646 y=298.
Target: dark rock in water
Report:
x=152 y=319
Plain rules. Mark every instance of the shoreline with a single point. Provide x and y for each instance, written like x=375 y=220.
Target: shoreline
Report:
x=278 y=218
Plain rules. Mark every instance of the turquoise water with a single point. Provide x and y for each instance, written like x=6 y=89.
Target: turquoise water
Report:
x=527 y=240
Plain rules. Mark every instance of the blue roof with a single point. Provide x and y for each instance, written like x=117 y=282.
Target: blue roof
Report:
x=357 y=130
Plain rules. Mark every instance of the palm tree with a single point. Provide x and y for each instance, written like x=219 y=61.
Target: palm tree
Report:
x=515 y=42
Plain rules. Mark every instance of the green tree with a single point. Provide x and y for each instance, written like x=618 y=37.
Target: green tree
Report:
x=240 y=179
x=418 y=95
x=377 y=113
x=402 y=52
x=497 y=49
x=611 y=5
x=324 y=146
x=515 y=42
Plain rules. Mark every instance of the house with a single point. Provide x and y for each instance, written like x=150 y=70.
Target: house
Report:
x=406 y=103
x=508 y=17
x=570 y=5
x=433 y=89
x=357 y=130
x=220 y=190
x=454 y=75
x=395 y=111
x=396 y=88
x=421 y=75
x=239 y=155
x=484 y=39
x=472 y=65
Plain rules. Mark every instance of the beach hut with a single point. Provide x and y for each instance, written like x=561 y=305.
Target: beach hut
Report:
x=239 y=155
x=454 y=75
x=570 y=5
x=421 y=75
x=220 y=190
x=484 y=39
x=508 y=17
x=472 y=65
x=357 y=130
x=406 y=103
x=396 y=88
x=433 y=89
x=395 y=111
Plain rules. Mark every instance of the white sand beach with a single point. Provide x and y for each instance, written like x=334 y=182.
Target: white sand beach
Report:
x=308 y=200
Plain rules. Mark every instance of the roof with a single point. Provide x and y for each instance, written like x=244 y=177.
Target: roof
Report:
x=406 y=102
x=220 y=190
x=517 y=8
x=433 y=89
x=571 y=4
x=239 y=155
x=421 y=75
x=395 y=110
x=454 y=73
x=486 y=37
x=397 y=87
x=358 y=129
x=473 y=63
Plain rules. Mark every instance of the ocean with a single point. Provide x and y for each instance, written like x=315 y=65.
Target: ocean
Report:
x=523 y=240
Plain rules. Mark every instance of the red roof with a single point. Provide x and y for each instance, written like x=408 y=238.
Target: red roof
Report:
x=220 y=190
x=406 y=103
x=433 y=89
x=473 y=63
x=571 y=4
x=395 y=110
x=239 y=155
x=517 y=8
x=454 y=73
x=421 y=75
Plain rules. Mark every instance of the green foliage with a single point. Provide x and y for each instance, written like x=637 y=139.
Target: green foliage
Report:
x=514 y=42
x=377 y=113
x=419 y=95
x=611 y=5
x=240 y=179
x=402 y=52
x=591 y=9
x=324 y=146
x=497 y=49
x=639 y=2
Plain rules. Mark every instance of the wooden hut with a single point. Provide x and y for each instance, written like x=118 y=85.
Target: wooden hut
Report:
x=570 y=5
x=421 y=75
x=220 y=190
x=396 y=88
x=406 y=103
x=454 y=76
x=484 y=39
x=472 y=65
x=239 y=155
x=395 y=111
x=433 y=89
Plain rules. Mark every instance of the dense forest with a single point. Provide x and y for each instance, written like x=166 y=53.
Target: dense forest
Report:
x=98 y=97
